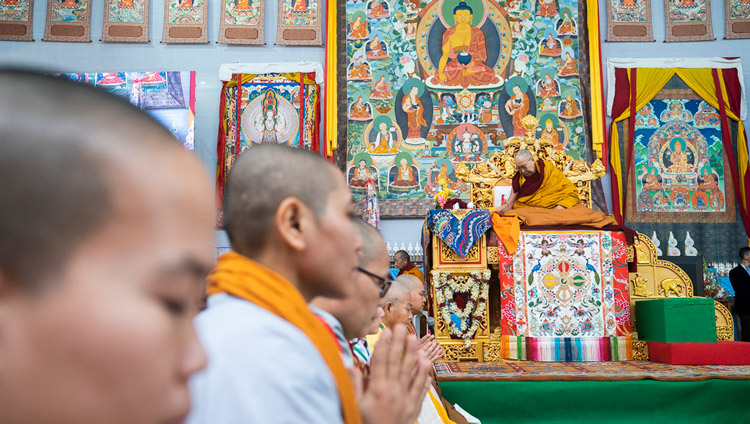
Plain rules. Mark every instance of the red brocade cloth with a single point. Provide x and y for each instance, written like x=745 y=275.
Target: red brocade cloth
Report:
x=720 y=353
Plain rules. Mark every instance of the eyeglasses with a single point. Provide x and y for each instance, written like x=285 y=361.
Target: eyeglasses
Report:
x=384 y=283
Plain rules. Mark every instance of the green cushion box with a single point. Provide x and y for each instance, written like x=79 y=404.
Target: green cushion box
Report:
x=676 y=320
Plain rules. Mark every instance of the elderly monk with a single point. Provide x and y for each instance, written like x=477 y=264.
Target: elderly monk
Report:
x=106 y=235
x=543 y=195
x=402 y=261
x=398 y=310
x=290 y=220
x=427 y=343
x=351 y=317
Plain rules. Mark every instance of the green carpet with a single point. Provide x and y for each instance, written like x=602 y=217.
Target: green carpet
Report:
x=642 y=401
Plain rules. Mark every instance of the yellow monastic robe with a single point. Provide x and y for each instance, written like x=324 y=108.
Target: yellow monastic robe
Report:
x=555 y=190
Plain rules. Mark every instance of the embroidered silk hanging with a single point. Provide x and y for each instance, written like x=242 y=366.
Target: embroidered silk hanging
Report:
x=300 y=23
x=16 y=18
x=561 y=288
x=126 y=21
x=629 y=20
x=279 y=108
x=242 y=22
x=688 y=20
x=185 y=22
x=737 y=18
x=68 y=20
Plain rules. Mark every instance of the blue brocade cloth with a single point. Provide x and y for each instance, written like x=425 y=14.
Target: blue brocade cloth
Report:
x=460 y=229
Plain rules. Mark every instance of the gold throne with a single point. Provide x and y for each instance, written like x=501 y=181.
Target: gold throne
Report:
x=501 y=167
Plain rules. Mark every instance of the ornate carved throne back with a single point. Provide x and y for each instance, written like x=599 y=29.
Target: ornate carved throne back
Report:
x=501 y=167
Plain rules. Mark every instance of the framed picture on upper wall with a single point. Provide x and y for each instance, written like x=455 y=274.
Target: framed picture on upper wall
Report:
x=300 y=23
x=185 y=22
x=629 y=20
x=16 y=20
x=737 y=18
x=126 y=21
x=68 y=20
x=242 y=22
x=688 y=20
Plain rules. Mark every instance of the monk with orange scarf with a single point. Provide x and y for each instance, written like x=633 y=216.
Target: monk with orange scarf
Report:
x=289 y=218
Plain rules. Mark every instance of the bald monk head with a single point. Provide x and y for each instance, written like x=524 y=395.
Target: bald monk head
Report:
x=397 y=305
x=106 y=235
x=291 y=211
x=525 y=163
x=357 y=311
x=415 y=286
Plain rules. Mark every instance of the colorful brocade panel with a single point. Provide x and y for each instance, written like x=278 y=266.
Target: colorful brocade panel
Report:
x=273 y=108
x=565 y=296
x=433 y=84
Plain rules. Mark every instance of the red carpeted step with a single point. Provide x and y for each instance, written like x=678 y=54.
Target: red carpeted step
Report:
x=720 y=353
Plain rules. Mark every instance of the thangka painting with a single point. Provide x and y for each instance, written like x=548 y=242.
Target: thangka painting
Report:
x=430 y=85
x=16 y=19
x=570 y=284
x=169 y=97
x=273 y=108
x=185 y=21
x=688 y=20
x=679 y=173
x=126 y=21
x=629 y=20
x=737 y=18
x=300 y=23
x=68 y=20
x=242 y=22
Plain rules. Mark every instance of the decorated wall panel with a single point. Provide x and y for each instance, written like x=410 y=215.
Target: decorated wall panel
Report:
x=679 y=164
x=433 y=84
x=688 y=20
x=16 y=20
x=169 y=97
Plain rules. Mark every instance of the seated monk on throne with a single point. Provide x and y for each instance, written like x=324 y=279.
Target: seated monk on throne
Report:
x=543 y=195
x=464 y=45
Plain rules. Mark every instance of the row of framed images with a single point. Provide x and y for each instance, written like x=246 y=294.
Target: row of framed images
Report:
x=686 y=20
x=185 y=21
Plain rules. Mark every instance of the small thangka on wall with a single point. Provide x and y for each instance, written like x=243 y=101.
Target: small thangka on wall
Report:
x=688 y=20
x=185 y=22
x=16 y=18
x=737 y=18
x=242 y=22
x=68 y=20
x=126 y=21
x=629 y=20
x=300 y=23
x=679 y=172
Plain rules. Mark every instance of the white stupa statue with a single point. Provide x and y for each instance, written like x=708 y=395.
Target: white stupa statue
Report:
x=672 y=242
x=689 y=249
x=657 y=243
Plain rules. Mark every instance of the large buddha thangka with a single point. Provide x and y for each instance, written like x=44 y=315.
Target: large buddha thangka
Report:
x=434 y=84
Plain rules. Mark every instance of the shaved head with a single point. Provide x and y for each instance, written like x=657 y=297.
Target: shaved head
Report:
x=372 y=243
x=58 y=143
x=408 y=281
x=397 y=294
x=523 y=154
x=261 y=179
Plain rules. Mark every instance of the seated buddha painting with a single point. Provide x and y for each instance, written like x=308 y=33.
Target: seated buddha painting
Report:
x=462 y=45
